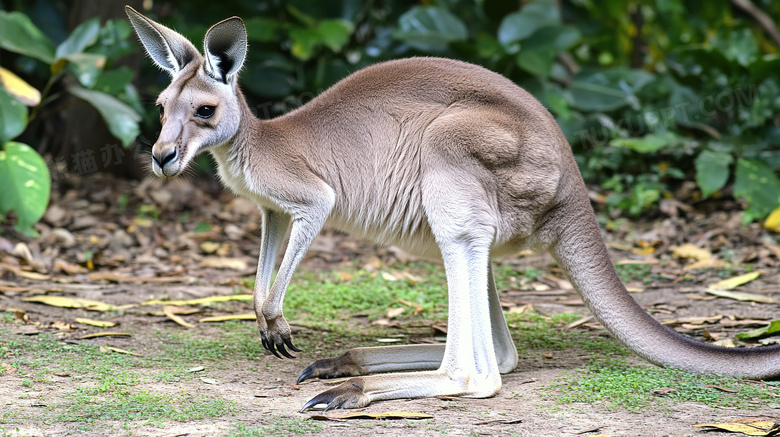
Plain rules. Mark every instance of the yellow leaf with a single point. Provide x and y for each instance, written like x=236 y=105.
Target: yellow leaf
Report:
x=744 y=297
x=104 y=334
x=690 y=251
x=227 y=318
x=223 y=263
x=98 y=323
x=70 y=302
x=200 y=301
x=388 y=415
x=772 y=223
x=728 y=284
x=761 y=426
x=170 y=313
x=709 y=263
x=209 y=246
x=18 y=88
x=122 y=351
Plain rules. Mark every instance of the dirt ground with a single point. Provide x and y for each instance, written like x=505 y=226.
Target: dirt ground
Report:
x=147 y=243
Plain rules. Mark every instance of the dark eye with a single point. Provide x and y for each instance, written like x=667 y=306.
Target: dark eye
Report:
x=205 y=111
x=162 y=110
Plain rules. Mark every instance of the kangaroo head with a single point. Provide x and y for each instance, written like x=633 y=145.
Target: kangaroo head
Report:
x=201 y=108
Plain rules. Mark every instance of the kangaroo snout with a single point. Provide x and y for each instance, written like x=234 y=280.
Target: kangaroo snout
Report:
x=163 y=157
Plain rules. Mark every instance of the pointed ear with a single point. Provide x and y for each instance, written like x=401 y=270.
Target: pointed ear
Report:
x=168 y=49
x=225 y=49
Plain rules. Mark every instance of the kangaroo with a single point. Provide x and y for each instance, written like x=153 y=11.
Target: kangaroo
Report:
x=442 y=158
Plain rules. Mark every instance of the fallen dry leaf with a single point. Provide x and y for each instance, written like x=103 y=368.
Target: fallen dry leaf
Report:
x=689 y=251
x=199 y=301
x=736 y=281
x=223 y=263
x=7 y=368
x=72 y=302
x=709 y=263
x=392 y=313
x=170 y=312
x=104 y=334
x=228 y=318
x=120 y=351
x=209 y=246
x=211 y=381
x=760 y=426
x=98 y=323
x=741 y=296
x=717 y=387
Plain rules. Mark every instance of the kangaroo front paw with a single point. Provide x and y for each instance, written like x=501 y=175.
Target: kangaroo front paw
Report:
x=342 y=365
x=276 y=336
x=348 y=394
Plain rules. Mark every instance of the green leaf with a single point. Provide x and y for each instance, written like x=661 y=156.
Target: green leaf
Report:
x=114 y=81
x=430 y=28
x=757 y=183
x=26 y=185
x=13 y=117
x=261 y=29
x=335 y=34
x=86 y=67
x=650 y=143
x=771 y=329
x=589 y=96
x=304 y=42
x=120 y=118
x=19 y=35
x=539 y=51
x=712 y=170
x=520 y=25
x=82 y=37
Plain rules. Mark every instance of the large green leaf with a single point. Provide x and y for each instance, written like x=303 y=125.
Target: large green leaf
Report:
x=13 y=117
x=430 y=28
x=18 y=34
x=120 y=118
x=82 y=37
x=712 y=170
x=590 y=96
x=26 y=185
x=539 y=51
x=759 y=185
x=335 y=34
x=86 y=67
x=520 y=25
x=304 y=42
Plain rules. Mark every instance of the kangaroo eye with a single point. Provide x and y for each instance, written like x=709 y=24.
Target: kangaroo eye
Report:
x=162 y=110
x=205 y=111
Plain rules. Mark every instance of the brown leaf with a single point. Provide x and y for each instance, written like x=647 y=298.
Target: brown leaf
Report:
x=170 y=312
x=760 y=426
x=717 y=387
x=392 y=313
x=663 y=391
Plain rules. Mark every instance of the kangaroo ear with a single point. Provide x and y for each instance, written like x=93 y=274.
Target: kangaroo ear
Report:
x=225 y=46
x=168 y=49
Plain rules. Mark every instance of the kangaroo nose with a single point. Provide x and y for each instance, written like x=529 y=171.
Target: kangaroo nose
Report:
x=163 y=158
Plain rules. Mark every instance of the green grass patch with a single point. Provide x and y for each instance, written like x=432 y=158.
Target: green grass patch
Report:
x=323 y=299
x=281 y=426
x=535 y=331
x=616 y=384
x=638 y=272
x=144 y=406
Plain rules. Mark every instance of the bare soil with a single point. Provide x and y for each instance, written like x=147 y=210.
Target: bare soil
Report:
x=150 y=236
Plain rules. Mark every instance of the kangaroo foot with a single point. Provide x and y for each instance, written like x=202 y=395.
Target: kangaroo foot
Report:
x=276 y=336
x=348 y=394
x=342 y=365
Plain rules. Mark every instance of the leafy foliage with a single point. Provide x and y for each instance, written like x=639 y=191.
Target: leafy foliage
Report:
x=84 y=55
